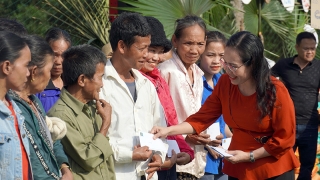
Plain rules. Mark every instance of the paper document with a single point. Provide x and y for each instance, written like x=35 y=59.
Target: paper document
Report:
x=146 y=139
x=221 y=151
x=226 y=143
x=214 y=130
x=173 y=145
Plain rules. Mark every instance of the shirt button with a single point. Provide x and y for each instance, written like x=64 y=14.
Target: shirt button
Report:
x=43 y=95
x=23 y=135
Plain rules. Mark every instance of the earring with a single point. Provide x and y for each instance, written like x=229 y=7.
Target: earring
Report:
x=32 y=80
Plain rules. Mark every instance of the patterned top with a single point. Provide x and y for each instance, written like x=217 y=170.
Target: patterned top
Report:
x=186 y=97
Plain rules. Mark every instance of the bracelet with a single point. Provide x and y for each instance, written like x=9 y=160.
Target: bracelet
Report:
x=64 y=166
x=252 y=157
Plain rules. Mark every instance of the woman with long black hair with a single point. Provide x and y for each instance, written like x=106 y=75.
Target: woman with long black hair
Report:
x=256 y=106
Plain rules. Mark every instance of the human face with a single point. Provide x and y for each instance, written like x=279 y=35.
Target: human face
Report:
x=41 y=76
x=93 y=85
x=239 y=73
x=210 y=59
x=137 y=53
x=154 y=56
x=18 y=73
x=190 y=45
x=306 y=49
x=58 y=47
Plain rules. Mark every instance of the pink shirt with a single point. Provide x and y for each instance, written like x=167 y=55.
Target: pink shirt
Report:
x=163 y=92
x=186 y=97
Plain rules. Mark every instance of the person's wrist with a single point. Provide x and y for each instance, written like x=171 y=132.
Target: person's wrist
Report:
x=251 y=157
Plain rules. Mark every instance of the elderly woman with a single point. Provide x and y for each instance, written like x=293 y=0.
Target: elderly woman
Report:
x=47 y=157
x=59 y=40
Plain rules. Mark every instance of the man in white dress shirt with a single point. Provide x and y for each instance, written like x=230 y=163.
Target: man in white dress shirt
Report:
x=135 y=104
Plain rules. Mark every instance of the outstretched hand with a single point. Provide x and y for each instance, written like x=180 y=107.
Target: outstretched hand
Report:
x=183 y=158
x=201 y=139
x=238 y=156
x=159 y=132
x=169 y=162
x=154 y=165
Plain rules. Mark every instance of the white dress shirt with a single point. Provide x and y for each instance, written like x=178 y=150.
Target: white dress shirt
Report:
x=187 y=101
x=129 y=118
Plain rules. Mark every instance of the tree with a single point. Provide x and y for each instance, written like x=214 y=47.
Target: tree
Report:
x=270 y=21
x=86 y=20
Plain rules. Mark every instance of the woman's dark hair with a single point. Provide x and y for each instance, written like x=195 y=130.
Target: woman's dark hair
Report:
x=216 y=36
x=39 y=50
x=12 y=25
x=10 y=46
x=54 y=34
x=187 y=21
x=250 y=49
x=125 y=27
x=81 y=59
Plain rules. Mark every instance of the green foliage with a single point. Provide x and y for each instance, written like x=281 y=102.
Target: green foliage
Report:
x=168 y=11
x=87 y=21
x=36 y=23
x=221 y=17
x=28 y=13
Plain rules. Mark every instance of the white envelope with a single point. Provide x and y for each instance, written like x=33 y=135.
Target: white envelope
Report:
x=226 y=143
x=221 y=151
x=214 y=130
x=146 y=139
x=173 y=145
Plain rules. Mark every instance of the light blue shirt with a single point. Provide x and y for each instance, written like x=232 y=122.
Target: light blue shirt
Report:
x=212 y=165
x=10 y=150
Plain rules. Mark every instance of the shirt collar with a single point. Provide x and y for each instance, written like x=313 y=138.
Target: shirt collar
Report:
x=110 y=71
x=291 y=60
x=5 y=110
x=72 y=102
x=50 y=85
x=178 y=61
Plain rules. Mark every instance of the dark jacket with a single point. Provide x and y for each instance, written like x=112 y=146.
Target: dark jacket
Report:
x=52 y=158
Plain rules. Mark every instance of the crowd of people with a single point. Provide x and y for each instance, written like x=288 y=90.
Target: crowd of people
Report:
x=73 y=112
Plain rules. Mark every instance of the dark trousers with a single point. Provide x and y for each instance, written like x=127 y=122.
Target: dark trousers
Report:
x=170 y=174
x=306 y=141
x=285 y=176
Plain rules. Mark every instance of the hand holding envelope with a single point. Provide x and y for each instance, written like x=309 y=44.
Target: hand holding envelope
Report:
x=146 y=139
x=222 y=152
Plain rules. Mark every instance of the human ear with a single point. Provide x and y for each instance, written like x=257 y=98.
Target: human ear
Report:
x=33 y=72
x=6 y=67
x=81 y=80
x=121 y=46
x=174 y=41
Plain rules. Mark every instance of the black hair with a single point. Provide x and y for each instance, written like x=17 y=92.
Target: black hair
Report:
x=13 y=26
x=10 y=46
x=81 y=59
x=250 y=49
x=125 y=27
x=54 y=34
x=305 y=35
x=216 y=36
x=39 y=50
x=187 y=21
